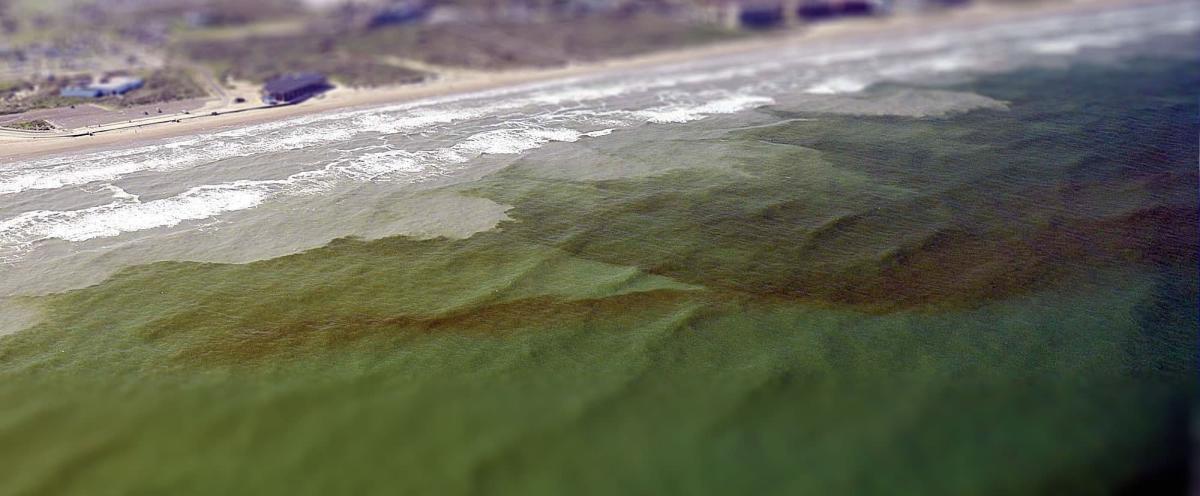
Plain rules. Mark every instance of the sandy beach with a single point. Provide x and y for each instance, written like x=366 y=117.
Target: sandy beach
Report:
x=15 y=146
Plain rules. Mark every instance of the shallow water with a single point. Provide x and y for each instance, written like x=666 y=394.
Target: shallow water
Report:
x=702 y=280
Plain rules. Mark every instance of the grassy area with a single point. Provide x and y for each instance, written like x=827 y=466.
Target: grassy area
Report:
x=31 y=125
x=361 y=57
x=41 y=100
x=282 y=27
x=161 y=85
x=260 y=58
x=260 y=40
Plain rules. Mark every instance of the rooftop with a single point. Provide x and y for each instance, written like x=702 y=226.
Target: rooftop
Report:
x=292 y=82
x=115 y=83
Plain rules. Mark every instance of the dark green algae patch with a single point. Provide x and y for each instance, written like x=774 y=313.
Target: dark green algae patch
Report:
x=994 y=303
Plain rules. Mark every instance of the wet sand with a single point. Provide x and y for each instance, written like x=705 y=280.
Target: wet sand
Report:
x=15 y=147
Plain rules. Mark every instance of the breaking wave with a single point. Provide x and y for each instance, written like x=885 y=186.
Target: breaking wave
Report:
x=128 y=213
x=837 y=85
x=415 y=141
x=681 y=113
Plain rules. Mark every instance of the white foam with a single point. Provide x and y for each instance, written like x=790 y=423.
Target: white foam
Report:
x=172 y=157
x=852 y=55
x=1067 y=45
x=837 y=85
x=687 y=112
x=1182 y=25
x=509 y=141
x=371 y=166
x=119 y=193
x=128 y=215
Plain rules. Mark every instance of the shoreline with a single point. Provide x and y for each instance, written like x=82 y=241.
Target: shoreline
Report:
x=14 y=149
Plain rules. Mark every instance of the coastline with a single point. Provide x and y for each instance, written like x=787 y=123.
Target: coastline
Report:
x=13 y=149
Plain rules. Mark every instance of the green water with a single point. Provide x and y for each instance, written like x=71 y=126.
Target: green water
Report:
x=999 y=302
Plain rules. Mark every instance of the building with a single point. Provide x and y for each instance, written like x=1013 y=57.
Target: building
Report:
x=762 y=14
x=405 y=12
x=111 y=86
x=294 y=88
x=758 y=14
x=815 y=10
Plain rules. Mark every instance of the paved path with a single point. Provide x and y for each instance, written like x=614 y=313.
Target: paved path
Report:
x=132 y=124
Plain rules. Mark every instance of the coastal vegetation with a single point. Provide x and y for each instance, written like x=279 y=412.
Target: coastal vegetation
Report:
x=30 y=125
x=161 y=85
x=376 y=57
x=54 y=44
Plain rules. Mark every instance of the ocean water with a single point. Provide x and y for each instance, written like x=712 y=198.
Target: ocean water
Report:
x=961 y=262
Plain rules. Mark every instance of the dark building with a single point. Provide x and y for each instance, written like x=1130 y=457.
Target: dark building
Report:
x=294 y=88
x=399 y=13
x=816 y=10
x=761 y=14
x=857 y=8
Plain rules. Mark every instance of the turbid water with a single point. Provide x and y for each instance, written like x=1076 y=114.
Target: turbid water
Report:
x=953 y=263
